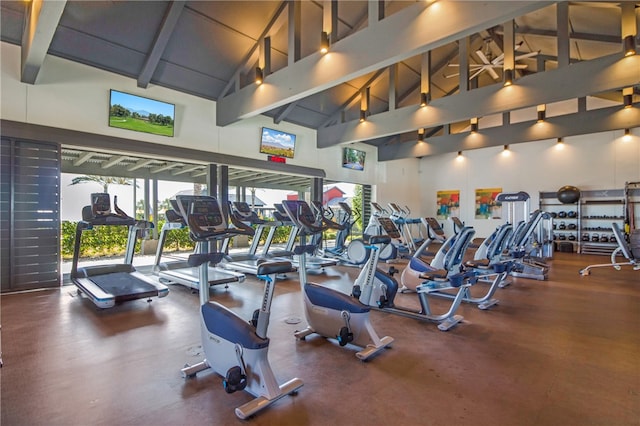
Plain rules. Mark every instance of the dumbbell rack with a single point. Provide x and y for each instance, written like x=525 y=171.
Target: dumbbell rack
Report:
x=599 y=209
x=592 y=218
x=565 y=220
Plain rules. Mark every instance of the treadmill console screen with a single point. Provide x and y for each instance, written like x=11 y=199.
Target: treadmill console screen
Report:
x=100 y=204
x=242 y=206
x=243 y=212
x=301 y=210
x=205 y=212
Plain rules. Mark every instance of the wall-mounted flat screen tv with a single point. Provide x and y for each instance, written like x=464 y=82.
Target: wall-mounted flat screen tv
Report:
x=140 y=114
x=278 y=143
x=353 y=158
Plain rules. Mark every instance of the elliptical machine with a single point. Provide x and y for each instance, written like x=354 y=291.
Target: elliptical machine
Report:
x=353 y=254
x=330 y=313
x=234 y=348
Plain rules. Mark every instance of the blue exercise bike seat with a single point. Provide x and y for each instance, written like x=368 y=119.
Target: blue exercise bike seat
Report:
x=328 y=298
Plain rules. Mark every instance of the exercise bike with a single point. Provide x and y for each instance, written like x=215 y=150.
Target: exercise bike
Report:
x=330 y=313
x=234 y=348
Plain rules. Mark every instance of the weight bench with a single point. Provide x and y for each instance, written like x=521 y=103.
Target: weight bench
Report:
x=623 y=248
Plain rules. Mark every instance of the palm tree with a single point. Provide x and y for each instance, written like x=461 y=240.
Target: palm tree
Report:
x=105 y=181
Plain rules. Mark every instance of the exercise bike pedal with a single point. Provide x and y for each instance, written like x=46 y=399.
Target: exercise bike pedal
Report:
x=254 y=318
x=345 y=336
x=234 y=380
x=383 y=302
x=356 y=292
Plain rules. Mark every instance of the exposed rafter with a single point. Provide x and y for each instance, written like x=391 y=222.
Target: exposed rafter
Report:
x=581 y=79
x=186 y=170
x=417 y=28
x=573 y=35
x=42 y=18
x=584 y=122
x=162 y=38
x=164 y=167
x=83 y=158
x=139 y=164
x=115 y=159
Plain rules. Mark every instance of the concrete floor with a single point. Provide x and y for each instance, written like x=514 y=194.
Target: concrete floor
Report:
x=560 y=352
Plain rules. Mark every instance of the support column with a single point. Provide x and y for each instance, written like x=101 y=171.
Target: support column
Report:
x=463 y=53
x=154 y=201
x=316 y=189
x=562 y=10
x=425 y=79
x=509 y=45
x=295 y=22
x=393 y=82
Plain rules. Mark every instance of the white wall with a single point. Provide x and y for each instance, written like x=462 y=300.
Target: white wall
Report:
x=397 y=181
x=597 y=161
x=72 y=96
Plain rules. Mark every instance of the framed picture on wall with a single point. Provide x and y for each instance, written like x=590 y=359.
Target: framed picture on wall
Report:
x=448 y=203
x=486 y=205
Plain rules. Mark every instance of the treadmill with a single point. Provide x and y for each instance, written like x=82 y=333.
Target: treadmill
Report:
x=179 y=271
x=108 y=285
x=281 y=219
x=241 y=216
x=312 y=262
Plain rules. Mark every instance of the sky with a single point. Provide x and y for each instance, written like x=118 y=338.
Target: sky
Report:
x=74 y=197
x=138 y=103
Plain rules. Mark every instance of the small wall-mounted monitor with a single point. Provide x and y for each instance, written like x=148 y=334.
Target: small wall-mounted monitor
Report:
x=278 y=143
x=353 y=159
x=140 y=114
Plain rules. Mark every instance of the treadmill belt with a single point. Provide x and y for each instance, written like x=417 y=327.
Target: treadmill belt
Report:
x=124 y=286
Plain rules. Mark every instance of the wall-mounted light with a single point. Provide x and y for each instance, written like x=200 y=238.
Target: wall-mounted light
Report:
x=506 y=148
x=542 y=112
x=629 y=43
x=259 y=76
x=628 y=101
x=627 y=97
x=627 y=132
x=424 y=98
x=363 y=115
x=474 y=124
x=421 y=134
x=324 y=42
x=560 y=140
x=459 y=153
x=508 y=77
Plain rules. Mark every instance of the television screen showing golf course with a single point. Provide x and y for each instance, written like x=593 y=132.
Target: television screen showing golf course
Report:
x=133 y=112
x=278 y=143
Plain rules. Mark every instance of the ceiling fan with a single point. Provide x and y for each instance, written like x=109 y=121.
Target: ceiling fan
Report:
x=488 y=63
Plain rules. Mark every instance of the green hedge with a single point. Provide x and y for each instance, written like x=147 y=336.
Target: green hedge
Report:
x=104 y=241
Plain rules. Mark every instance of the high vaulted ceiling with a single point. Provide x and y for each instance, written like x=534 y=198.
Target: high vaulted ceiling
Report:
x=382 y=55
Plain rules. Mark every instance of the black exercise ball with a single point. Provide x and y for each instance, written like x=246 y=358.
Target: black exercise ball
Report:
x=568 y=194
